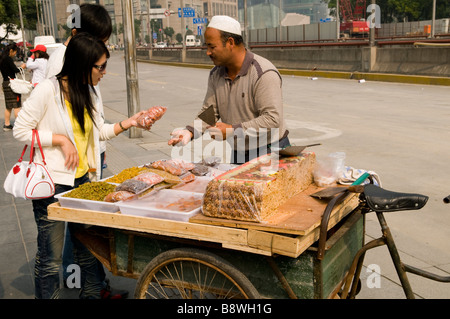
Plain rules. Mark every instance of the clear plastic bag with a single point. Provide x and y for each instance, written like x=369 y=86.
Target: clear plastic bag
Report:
x=149 y=178
x=182 y=164
x=329 y=169
x=187 y=177
x=168 y=167
x=200 y=170
x=117 y=196
x=255 y=190
x=153 y=114
x=233 y=201
x=132 y=185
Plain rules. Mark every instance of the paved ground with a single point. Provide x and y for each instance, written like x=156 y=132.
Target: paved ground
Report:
x=398 y=130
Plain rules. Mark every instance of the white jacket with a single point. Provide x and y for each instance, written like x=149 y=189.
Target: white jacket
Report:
x=38 y=67
x=44 y=111
x=54 y=66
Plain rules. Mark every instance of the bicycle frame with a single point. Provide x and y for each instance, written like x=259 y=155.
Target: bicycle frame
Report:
x=401 y=268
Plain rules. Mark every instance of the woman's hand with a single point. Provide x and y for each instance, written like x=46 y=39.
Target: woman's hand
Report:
x=126 y=124
x=133 y=120
x=69 y=150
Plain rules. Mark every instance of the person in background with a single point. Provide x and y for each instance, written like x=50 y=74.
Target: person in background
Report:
x=13 y=101
x=70 y=128
x=37 y=63
x=245 y=92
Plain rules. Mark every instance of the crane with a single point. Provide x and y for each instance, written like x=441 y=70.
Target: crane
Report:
x=354 y=21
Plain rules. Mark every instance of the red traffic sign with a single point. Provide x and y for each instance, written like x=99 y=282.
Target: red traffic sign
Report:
x=167 y=13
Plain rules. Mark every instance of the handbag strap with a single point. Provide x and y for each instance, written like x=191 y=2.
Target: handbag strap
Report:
x=22 y=73
x=32 y=147
x=36 y=135
x=23 y=153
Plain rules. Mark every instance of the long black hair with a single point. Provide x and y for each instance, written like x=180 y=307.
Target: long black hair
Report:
x=6 y=49
x=82 y=52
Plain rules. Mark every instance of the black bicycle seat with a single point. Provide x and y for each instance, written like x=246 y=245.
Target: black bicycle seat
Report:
x=382 y=200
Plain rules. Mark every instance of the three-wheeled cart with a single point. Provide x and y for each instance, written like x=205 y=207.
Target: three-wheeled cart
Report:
x=303 y=251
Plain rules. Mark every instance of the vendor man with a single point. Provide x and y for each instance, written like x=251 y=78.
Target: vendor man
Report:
x=245 y=92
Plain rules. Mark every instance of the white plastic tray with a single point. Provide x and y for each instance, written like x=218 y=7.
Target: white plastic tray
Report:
x=163 y=204
x=86 y=204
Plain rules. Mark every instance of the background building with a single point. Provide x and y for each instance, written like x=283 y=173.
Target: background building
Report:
x=153 y=16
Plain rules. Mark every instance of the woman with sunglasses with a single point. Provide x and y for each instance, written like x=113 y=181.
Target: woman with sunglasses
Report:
x=64 y=110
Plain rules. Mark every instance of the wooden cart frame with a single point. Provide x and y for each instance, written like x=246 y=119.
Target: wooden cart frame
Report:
x=279 y=257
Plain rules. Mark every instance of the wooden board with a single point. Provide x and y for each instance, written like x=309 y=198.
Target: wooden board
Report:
x=300 y=215
x=289 y=233
x=232 y=238
x=145 y=224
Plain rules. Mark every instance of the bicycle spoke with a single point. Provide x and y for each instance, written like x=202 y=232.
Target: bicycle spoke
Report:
x=191 y=277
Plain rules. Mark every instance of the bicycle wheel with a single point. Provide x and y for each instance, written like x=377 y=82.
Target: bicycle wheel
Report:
x=186 y=273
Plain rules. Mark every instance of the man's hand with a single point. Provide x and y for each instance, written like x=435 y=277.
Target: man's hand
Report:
x=184 y=136
x=220 y=131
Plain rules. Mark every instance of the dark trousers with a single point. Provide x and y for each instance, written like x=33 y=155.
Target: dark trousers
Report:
x=49 y=252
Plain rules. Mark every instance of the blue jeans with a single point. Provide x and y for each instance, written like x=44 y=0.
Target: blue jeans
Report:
x=68 y=258
x=49 y=252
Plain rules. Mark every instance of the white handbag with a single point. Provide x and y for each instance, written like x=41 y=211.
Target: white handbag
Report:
x=30 y=180
x=20 y=86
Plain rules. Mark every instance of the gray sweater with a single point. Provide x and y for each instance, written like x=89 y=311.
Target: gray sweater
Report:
x=252 y=103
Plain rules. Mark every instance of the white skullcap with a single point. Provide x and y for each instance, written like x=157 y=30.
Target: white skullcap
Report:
x=225 y=23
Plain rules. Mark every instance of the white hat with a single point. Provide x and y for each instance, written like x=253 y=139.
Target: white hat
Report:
x=225 y=23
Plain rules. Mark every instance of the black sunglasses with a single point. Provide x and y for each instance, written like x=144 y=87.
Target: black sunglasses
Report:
x=101 y=67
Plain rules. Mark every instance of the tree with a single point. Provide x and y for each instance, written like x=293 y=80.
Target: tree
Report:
x=179 y=38
x=137 y=29
x=9 y=15
x=169 y=32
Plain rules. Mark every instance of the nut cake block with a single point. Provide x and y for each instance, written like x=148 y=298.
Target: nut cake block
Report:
x=254 y=190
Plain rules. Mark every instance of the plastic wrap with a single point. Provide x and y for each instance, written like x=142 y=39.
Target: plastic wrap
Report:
x=150 y=178
x=168 y=178
x=255 y=190
x=133 y=186
x=182 y=164
x=197 y=186
x=212 y=161
x=168 y=167
x=153 y=114
x=187 y=177
x=329 y=169
x=117 y=196
x=200 y=170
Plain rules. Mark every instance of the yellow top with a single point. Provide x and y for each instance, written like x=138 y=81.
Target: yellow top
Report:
x=81 y=139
